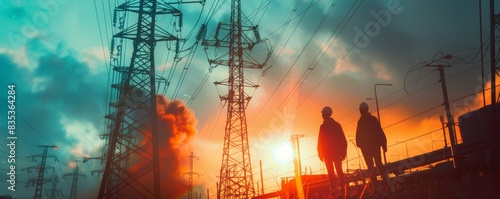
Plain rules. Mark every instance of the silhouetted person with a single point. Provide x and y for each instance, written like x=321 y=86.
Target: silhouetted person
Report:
x=332 y=148
x=369 y=138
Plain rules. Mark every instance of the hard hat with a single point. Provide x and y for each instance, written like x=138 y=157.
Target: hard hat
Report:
x=327 y=110
x=363 y=106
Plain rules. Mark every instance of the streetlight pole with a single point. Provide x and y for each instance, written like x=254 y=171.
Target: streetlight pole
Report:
x=378 y=112
x=376 y=99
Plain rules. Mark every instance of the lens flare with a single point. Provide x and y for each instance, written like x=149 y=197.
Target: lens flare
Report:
x=283 y=153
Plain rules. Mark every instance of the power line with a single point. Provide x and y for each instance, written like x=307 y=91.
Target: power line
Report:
x=283 y=28
x=307 y=72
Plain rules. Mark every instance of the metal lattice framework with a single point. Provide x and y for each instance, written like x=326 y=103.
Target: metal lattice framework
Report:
x=131 y=152
x=236 y=180
x=41 y=170
x=74 y=182
x=191 y=173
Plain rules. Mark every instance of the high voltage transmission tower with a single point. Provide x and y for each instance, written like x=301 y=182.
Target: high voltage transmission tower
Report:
x=54 y=193
x=191 y=173
x=236 y=179
x=131 y=154
x=74 y=183
x=40 y=179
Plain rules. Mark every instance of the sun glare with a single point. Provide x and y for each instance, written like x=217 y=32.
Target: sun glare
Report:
x=283 y=153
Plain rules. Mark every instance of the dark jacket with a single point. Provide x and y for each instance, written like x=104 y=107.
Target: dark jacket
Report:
x=331 y=140
x=369 y=134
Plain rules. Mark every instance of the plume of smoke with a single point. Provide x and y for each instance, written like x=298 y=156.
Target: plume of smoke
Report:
x=176 y=129
x=178 y=124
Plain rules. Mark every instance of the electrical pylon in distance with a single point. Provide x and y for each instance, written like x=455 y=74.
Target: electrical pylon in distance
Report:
x=40 y=180
x=191 y=173
x=74 y=183
x=236 y=179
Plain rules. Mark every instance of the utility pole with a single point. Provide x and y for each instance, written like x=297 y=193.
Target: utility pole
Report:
x=261 y=178
x=450 y=123
x=493 y=68
x=297 y=165
x=191 y=173
x=74 y=182
x=132 y=119
x=236 y=179
x=295 y=139
x=493 y=72
x=40 y=180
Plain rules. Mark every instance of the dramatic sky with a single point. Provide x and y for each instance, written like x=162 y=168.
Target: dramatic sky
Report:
x=325 y=53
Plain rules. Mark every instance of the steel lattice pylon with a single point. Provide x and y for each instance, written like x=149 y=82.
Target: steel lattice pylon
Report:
x=236 y=180
x=131 y=153
x=40 y=180
x=74 y=183
x=191 y=173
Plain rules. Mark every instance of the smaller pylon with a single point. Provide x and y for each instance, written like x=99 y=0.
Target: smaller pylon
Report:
x=74 y=184
x=54 y=193
x=191 y=173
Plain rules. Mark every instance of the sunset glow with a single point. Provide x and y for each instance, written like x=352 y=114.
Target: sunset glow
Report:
x=68 y=69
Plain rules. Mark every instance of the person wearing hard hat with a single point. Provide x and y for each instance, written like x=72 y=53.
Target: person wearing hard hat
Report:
x=369 y=138
x=332 y=148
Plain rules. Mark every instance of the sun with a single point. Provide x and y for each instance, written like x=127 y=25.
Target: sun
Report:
x=283 y=153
